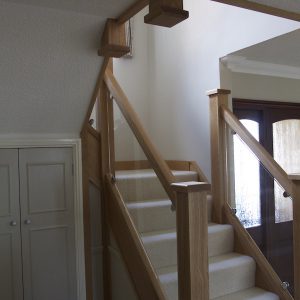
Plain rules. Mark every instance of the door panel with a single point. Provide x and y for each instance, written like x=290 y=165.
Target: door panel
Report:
x=10 y=239
x=47 y=213
x=280 y=124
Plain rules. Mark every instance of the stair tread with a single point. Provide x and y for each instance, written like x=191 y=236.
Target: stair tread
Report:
x=154 y=236
x=144 y=173
x=149 y=203
x=250 y=294
x=216 y=263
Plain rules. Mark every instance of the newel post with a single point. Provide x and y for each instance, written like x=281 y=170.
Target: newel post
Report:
x=296 y=233
x=192 y=240
x=218 y=138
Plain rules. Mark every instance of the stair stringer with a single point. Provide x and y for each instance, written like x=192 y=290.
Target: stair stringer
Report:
x=265 y=277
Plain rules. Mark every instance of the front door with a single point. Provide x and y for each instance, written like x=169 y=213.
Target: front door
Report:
x=278 y=130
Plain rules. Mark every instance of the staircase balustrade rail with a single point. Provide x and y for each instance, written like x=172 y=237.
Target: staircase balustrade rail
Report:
x=189 y=199
x=223 y=120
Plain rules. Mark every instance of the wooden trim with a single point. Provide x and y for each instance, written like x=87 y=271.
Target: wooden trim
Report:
x=113 y=41
x=216 y=92
x=263 y=9
x=86 y=217
x=219 y=171
x=105 y=169
x=263 y=155
x=142 y=273
x=266 y=277
x=132 y=11
x=262 y=104
x=95 y=92
x=296 y=235
x=157 y=162
x=195 y=167
x=192 y=240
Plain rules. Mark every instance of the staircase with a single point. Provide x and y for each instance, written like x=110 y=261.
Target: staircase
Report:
x=231 y=275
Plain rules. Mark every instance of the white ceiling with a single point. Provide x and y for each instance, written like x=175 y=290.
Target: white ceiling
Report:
x=288 y=5
x=103 y=8
x=282 y=50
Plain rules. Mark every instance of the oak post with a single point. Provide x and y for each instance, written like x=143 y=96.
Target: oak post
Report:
x=296 y=233
x=218 y=139
x=105 y=169
x=192 y=240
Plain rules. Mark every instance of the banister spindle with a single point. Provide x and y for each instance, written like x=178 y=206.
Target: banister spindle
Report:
x=296 y=233
x=218 y=138
x=192 y=240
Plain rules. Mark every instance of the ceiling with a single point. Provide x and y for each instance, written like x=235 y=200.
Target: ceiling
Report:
x=282 y=50
x=103 y=8
x=279 y=57
x=288 y=5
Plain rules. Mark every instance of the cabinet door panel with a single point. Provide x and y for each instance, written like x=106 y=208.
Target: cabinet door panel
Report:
x=10 y=240
x=47 y=213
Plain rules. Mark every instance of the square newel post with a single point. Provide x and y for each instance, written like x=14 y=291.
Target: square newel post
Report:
x=166 y=13
x=296 y=233
x=192 y=240
x=218 y=138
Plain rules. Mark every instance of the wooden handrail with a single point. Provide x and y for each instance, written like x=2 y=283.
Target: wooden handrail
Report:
x=132 y=11
x=263 y=155
x=159 y=165
x=145 y=280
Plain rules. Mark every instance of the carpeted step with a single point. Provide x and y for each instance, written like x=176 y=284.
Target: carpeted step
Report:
x=143 y=185
x=161 y=246
x=156 y=215
x=250 y=294
x=228 y=273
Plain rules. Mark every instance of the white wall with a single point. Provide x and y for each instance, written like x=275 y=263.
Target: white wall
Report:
x=133 y=76
x=183 y=63
x=258 y=87
x=48 y=69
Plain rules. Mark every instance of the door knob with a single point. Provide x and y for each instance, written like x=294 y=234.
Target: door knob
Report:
x=27 y=222
x=13 y=223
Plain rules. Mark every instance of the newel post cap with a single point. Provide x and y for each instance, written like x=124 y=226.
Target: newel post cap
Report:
x=191 y=187
x=218 y=92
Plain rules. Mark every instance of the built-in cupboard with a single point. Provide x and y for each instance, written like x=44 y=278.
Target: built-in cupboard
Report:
x=37 y=234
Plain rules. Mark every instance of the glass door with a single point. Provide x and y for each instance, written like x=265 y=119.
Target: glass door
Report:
x=277 y=127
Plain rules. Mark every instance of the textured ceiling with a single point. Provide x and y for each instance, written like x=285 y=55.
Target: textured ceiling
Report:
x=282 y=50
x=103 y=8
x=288 y=5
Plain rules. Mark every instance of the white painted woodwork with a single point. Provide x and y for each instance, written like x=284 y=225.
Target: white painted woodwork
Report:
x=10 y=241
x=48 y=238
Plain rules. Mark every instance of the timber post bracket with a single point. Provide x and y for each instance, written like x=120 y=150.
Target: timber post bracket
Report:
x=166 y=13
x=113 y=42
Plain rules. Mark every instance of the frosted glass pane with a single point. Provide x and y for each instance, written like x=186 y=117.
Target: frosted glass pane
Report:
x=247 y=179
x=286 y=148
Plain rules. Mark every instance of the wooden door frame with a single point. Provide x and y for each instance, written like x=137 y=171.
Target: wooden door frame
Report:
x=75 y=144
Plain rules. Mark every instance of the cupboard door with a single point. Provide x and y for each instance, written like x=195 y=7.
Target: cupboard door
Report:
x=47 y=214
x=10 y=240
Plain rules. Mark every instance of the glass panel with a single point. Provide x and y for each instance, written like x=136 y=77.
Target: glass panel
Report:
x=254 y=182
x=147 y=201
x=247 y=179
x=286 y=149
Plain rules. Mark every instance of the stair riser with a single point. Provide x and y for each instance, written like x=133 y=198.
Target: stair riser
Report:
x=158 y=217
x=146 y=188
x=163 y=253
x=222 y=282
x=153 y=219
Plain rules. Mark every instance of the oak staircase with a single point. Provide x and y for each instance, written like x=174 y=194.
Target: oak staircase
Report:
x=178 y=235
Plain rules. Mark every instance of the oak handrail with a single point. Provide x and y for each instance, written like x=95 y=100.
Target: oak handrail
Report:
x=159 y=165
x=263 y=155
x=145 y=280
